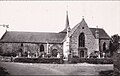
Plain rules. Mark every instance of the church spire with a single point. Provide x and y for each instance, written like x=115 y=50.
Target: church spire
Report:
x=67 y=20
x=67 y=27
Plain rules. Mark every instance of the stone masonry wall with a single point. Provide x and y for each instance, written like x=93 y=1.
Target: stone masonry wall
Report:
x=89 y=39
x=31 y=47
x=15 y=47
x=102 y=42
x=9 y=47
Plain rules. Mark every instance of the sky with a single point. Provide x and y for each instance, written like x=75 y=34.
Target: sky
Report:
x=50 y=16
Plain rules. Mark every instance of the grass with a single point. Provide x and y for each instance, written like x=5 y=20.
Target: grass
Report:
x=57 y=69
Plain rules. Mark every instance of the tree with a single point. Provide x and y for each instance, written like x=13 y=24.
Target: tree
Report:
x=114 y=43
x=115 y=38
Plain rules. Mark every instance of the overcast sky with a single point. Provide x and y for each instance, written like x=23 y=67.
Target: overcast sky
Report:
x=49 y=16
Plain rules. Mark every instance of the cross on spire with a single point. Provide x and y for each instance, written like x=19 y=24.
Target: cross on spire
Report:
x=82 y=16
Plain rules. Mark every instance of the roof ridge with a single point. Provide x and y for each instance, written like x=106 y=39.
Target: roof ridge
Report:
x=32 y=32
x=75 y=27
x=94 y=28
x=20 y=36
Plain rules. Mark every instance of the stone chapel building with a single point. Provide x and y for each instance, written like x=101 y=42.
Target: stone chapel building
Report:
x=79 y=41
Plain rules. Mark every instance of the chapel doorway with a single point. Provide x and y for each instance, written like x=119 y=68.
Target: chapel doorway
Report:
x=41 y=48
x=54 y=52
x=82 y=54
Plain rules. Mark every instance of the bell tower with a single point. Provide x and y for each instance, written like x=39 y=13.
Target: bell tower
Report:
x=67 y=38
x=67 y=27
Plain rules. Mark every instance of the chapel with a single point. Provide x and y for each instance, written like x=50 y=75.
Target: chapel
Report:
x=81 y=41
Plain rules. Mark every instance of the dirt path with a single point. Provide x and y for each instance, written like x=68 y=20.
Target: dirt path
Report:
x=54 y=69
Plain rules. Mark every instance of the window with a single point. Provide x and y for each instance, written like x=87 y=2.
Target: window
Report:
x=82 y=27
x=41 y=48
x=81 y=40
x=21 y=44
x=104 y=47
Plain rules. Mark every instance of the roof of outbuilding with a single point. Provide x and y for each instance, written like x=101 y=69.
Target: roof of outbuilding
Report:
x=38 y=37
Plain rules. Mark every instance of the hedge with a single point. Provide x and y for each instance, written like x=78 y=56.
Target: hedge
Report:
x=38 y=60
x=92 y=60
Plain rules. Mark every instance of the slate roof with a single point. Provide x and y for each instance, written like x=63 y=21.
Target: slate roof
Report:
x=38 y=37
x=102 y=33
x=44 y=37
x=64 y=31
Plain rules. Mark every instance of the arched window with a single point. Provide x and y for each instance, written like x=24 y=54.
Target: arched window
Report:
x=81 y=40
x=41 y=48
x=21 y=44
x=104 y=47
x=54 y=52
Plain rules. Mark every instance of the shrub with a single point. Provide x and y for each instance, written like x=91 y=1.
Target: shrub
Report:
x=75 y=57
x=106 y=73
x=92 y=60
x=39 y=60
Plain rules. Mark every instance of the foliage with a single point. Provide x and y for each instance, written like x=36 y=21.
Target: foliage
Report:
x=92 y=60
x=115 y=38
x=75 y=56
x=114 y=43
x=106 y=73
x=39 y=60
x=93 y=55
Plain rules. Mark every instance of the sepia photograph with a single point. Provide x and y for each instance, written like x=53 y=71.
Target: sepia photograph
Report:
x=68 y=38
